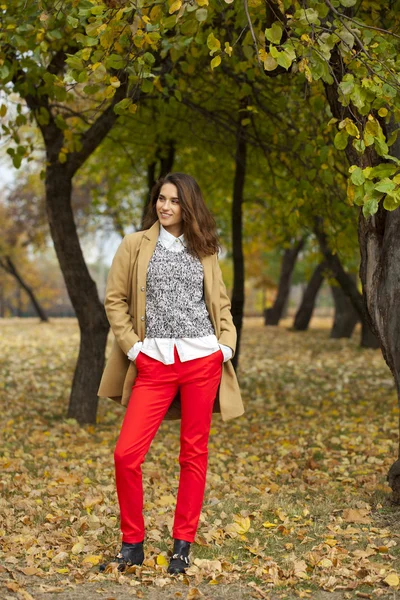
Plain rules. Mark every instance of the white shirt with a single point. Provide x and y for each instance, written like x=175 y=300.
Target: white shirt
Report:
x=162 y=349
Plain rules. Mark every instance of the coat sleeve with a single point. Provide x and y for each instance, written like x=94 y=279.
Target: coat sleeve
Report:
x=228 y=334
x=116 y=298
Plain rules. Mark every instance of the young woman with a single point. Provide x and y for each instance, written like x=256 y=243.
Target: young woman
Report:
x=174 y=337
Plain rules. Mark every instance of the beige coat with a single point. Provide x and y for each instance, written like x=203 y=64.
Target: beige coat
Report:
x=125 y=304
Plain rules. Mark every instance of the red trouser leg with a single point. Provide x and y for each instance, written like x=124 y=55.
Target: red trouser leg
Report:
x=155 y=387
x=199 y=380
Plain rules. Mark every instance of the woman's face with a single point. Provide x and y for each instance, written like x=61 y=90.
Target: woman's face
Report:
x=168 y=208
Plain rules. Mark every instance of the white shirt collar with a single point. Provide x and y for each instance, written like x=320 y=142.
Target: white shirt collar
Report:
x=168 y=239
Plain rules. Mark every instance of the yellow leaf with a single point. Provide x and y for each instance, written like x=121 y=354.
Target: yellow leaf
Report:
x=78 y=547
x=175 y=6
x=330 y=542
x=325 y=562
x=242 y=524
x=215 y=61
x=161 y=560
x=382 y=112
x=392 y=579
x=93 y=559
x=262 y=54
x=115 y=82
x=165 y=500
x=268 y=524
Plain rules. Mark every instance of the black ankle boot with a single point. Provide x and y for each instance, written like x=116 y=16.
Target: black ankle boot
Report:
x=179 y=560
x=130 y=554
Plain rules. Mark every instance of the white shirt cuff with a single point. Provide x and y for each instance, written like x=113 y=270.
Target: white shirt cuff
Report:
x=226 y=351
x=134 y=351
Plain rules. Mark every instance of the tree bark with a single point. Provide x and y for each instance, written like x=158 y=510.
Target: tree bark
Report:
x=11 y=269
x=349 y=287
x=273 y=315
x=2 y=303
x=346 y=317
x=166 y=164
x=237 y=302
x=305 y=311
x=82 y=291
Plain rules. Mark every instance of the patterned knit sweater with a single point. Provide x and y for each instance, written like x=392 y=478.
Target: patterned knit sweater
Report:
x=175 y=305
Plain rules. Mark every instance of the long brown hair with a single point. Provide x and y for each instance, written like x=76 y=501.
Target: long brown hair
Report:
x=199 y=226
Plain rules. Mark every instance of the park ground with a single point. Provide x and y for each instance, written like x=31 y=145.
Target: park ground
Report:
x=296 y=504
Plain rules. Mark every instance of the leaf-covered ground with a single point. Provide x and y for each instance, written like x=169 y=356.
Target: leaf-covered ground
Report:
x=296 y=503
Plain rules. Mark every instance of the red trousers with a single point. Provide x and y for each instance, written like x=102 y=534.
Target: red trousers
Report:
x=152 y=393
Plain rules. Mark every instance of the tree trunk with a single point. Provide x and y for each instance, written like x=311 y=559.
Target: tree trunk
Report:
x=273 y=315
x=305 y=311
x=237 y=234
x=19 y=301
x=11 y=269
x=151 y=179
x=349 y=287
x=378 y=237
x=82 y=290
x=346 y=317
x=166 y=165
x=2 y=304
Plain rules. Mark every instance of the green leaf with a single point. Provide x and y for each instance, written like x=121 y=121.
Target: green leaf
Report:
x=348 y=3
x=347 y=85
x=17 y=160
x=274 y=33
x=359 y=145
x=307 y=16
x=392 y=201
x=393 y=158
x=115 y=61
x=201 y=14
x=121 y=106
x=357 y=176
x=73 y=21
x=359 y=193
x=382 y=170
x=381 y=147
x=74 y=62
x=147 y=86
x=284 y=60
x=385 y=185
x=341 y=139
x=370 y=207
x=149 y=58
